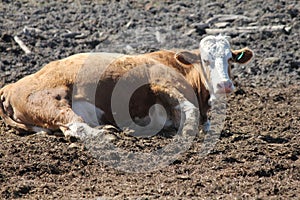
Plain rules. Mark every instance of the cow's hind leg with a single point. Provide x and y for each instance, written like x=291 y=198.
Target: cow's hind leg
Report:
x=6 y=113
x=74 y=120
x=91 y=116
x=15 y=113
x=49 y=109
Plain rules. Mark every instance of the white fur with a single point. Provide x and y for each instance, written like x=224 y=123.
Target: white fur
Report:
x=37 y=129
x=152 y=124
x=215 y=52
x=89 y=113
x=82 y=130
x=187 y=108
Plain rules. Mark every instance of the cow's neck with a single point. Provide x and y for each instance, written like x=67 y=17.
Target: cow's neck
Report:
x=203 y=99
x=199 y=85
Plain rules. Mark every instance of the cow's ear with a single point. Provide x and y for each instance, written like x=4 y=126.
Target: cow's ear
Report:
x=187 y=58
x=242 y=56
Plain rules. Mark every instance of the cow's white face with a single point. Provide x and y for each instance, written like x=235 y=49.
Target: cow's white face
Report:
x=215 y=54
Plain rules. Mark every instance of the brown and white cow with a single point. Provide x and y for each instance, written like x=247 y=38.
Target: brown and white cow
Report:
x=82 y=88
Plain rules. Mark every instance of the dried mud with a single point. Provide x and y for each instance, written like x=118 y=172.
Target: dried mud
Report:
x=257 y=152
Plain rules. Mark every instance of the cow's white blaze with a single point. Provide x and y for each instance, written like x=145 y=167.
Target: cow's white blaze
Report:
x=215 y=53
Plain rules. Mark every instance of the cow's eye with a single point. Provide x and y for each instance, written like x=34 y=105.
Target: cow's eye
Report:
x=206 y=62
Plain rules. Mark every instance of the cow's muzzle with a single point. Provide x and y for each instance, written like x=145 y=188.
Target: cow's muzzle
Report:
x=225 y=87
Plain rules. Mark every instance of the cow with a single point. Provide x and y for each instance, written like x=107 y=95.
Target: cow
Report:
x=154 y=90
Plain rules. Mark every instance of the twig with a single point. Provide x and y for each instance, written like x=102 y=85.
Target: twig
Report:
x=227 y=18
x=248 y=29
x=213 y=4
x=22 y=45
x=34 y=32
x=71 y=34
x=31 y=31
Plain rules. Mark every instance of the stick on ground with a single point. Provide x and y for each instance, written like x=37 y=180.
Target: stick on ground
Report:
x=22 y=45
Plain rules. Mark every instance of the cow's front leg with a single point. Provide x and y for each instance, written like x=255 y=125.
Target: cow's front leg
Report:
x=184 y=114
x=84 y=132
x=189 y=117
x=204 y=122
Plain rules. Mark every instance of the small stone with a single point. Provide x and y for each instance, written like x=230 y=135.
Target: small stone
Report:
x=74 y=146
x=271 y=61
x=190 y=32
x=200 y=27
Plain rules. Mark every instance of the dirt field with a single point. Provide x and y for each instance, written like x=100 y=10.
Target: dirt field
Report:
x=257 y=155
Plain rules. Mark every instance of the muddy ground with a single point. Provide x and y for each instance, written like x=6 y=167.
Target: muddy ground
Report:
x=257 y=153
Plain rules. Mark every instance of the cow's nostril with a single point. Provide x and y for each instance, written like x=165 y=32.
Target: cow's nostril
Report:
x=228 y=84
x=225 y=84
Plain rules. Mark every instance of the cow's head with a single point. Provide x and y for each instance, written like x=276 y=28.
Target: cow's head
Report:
x=216 y=56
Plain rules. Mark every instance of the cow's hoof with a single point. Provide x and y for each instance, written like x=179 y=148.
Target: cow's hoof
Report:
x=206 y=126
x=84 y=132
x=108 y=128
x=109 y=132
